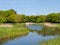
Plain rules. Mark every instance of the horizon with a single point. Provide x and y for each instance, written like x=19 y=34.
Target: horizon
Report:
x=34 y=7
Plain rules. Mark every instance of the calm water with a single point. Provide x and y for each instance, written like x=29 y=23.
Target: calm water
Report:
x=32 y=38
x=35 y=27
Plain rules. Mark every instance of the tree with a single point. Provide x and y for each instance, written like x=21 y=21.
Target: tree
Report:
x=53 y=17
x=27 y=19
x=7 y=15
x=58 y=16
x=12 y=19
x=41 y=18
x=32 y=18
x=21 y=18
x=11 y=16
x=3 y=19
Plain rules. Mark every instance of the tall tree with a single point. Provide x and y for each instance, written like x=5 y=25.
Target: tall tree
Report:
x=53 y=17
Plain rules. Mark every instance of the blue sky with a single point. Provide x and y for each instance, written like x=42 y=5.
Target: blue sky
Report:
x=31 y=7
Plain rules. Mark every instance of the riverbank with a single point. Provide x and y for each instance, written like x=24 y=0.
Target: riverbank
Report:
x=6 y=25
x=45 y=24
x=55 y=41
x=17 y=30
x=28 y=23
x=50 y=24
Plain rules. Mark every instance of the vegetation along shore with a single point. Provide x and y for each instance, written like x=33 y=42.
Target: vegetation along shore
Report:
x=17 y=30
x=14 y=25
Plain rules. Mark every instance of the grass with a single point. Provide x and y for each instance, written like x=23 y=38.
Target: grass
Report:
x=12 y=32
x=58 y=25
x=19 y=25
x=55 y=41
x=19 y=29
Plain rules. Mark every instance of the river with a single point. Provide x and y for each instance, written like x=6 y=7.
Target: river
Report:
x=34 y=37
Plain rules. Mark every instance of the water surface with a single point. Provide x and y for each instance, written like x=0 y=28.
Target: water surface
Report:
x=35 y=36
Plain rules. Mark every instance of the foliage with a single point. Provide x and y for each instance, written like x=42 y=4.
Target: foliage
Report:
x=55 y=41
x=2 y=19
x=53 y=17
x=41 y=18
x=10 y=16
x=32 y=18
x=12 y=32
x=21 y=18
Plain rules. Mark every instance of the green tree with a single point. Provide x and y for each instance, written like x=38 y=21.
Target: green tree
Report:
x=53 y=17
x=3 y=19
x=32 y=18
x=58 y=16
x=41 y=18
x=21 y=18
x=12 y=19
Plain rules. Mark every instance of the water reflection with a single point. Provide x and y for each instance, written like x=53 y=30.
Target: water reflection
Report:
x=35 y=27
x=31 y=39
x=46 y=31
x=37 y=33
x=13 y=38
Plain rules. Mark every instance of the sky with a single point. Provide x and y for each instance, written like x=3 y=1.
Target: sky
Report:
x=31 y=7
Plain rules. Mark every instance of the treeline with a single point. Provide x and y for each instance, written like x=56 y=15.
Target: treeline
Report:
x=10 y=16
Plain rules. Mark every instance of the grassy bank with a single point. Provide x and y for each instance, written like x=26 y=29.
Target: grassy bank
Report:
x=58 y=25
x=55 y=41
x=12 y=32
